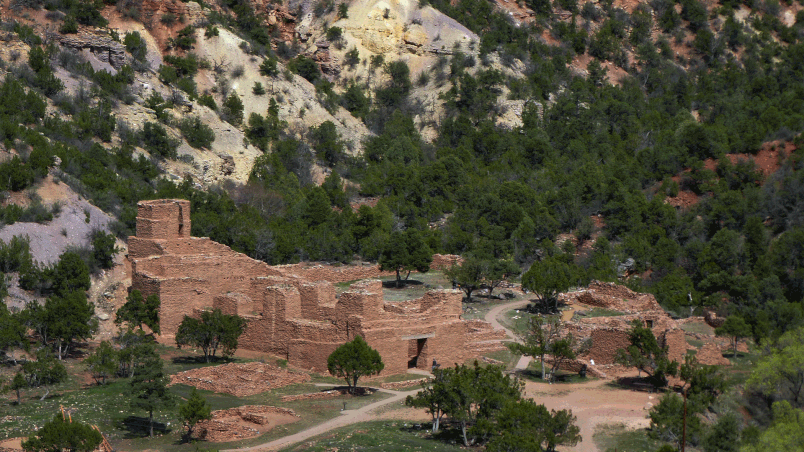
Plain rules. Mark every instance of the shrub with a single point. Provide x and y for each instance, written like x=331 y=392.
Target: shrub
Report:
x=233 y=110
x=334 y=34
x=136 y=46
x=208 y=101
x=352 y=57
x=258 y=89
x=70 y=25
x=157 y=141
x=197 y=134
x=305 y=67
x=268 y=67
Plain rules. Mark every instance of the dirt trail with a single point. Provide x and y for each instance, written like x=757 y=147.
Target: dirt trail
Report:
x=347 y=417
x=593 y=403
x=492 y=317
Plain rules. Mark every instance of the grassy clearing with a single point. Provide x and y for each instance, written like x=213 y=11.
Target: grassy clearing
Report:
x=377 y=436
x=508 y=359
x=516 y=320
x=741 y=366
x=695 y=342
x=108 y=407
x=617 y=437
x=415 y=287
x=603 y=312
x=698 y=328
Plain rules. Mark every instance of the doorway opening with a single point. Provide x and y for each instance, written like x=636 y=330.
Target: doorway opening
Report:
x=417 y=352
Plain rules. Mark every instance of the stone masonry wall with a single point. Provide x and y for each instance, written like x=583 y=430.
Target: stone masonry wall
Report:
x=605 y=343
x=291 y=311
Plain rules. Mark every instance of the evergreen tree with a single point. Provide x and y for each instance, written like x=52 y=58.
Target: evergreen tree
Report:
x=214 y=330
x=735 y=328
x=63 y=434
x=45 y=371
x=70 y=318
x=405 y=251
x=149 y=389
x=195 y=409
x=646 y=355
x=138 y=311
x=102 y=364
x=353 y=360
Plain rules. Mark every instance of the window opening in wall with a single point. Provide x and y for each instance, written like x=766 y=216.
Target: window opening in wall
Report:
x=181 y=221
x=649 y=323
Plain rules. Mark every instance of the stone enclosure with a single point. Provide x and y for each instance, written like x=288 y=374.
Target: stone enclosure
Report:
x=292 y=311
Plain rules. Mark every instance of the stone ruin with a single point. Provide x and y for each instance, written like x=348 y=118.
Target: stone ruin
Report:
x=607 y=334
x=292 y=311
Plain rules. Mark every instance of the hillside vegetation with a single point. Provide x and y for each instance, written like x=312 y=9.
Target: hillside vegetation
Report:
x=562 y=129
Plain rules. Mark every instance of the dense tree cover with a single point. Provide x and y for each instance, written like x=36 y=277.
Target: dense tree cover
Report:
x=353 y=360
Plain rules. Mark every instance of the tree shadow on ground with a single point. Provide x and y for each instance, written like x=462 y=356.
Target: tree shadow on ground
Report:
x=191 y=359
x=138 y=427
x=391 y=284
x=536 y=306
x=360 y=391
x=448 y=432
x=640 y=384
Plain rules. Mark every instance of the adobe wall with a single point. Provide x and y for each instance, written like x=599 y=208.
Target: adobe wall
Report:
x=344 y=273
x=605 y=343
x=291 y=311
x=442 y=261
x=163 y=219
x=676 y=344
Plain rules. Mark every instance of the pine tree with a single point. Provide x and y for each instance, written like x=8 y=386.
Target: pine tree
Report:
x=195 y=409
x=353 y=360
x=149 y=391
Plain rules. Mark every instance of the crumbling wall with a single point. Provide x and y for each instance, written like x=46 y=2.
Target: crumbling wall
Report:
x=613 y=296
x=711 y=355
x=344 y=273
x=442 y=261
x=292 y=311
x=605 y=343
x=676 y=344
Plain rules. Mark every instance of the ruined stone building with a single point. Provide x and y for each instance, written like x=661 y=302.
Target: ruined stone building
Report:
x=611 y=333
x=292 y=311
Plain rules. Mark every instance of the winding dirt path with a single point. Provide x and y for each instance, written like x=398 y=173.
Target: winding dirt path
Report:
x=347 y=417
x=492 y=317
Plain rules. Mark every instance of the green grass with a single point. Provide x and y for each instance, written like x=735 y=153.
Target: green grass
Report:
x=534 y=373
x=695 y=342
x=516 y=321
x=508 y=359
x=108 y=407
x=741 y=366
x=377 y=436
x=698 y=328
x=603 y=312
x=616 y=437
